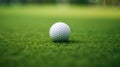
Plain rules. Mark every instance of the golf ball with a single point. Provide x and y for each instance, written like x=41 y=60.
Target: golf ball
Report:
x=60 y=31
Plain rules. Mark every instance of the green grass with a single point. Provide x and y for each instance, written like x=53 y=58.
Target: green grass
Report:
x=25 y=41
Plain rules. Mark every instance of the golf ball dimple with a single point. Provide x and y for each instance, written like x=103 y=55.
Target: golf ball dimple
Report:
x=60 y=32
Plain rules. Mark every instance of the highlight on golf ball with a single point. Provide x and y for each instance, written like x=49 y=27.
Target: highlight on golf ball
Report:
x=60 y=31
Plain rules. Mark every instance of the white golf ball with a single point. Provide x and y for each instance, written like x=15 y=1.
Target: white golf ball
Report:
x=60 y=32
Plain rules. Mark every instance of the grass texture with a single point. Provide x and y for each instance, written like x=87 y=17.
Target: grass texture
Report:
x=25 y=41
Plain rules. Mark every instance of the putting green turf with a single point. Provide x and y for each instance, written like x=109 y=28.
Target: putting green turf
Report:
x=25 y=42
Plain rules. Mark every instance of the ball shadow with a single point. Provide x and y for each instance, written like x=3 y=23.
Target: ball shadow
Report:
x=68 y=42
